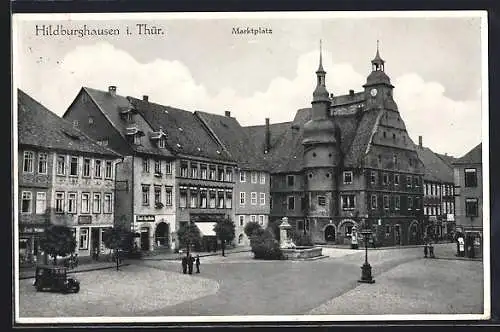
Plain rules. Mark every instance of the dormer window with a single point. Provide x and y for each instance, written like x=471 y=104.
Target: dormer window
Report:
x=137 y=139
x=127 y=113
x=158 y=137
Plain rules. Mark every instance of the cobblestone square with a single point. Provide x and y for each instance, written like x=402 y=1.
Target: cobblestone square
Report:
x=406 y=283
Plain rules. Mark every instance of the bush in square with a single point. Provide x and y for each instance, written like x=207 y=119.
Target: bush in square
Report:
x=265 y=246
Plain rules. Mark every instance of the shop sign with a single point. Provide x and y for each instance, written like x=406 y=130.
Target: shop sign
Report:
x=84 y=220
x=145 y=217
x=31 y=229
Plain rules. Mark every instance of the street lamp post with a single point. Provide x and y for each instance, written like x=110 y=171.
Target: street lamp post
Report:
x=366 y=269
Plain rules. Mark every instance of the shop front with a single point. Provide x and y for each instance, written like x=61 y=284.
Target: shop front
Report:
x=29 y=244
x=154 y=232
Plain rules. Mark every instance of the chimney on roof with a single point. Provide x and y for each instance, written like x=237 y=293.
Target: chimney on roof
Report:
x=227 y=113
x=420 y=141
x=268 y=137
x=145 y=97
x=331 y=95
x=112 y=90
x=351 y=93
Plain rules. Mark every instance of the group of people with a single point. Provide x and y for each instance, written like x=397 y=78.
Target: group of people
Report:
x=428 y=249
x=188 y=262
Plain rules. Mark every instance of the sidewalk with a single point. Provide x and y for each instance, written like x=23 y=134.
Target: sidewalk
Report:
x=29 y=272
x=449 y=252
x=362 y=247
x=177 y=256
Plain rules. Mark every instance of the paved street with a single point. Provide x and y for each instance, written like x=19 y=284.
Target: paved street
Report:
x=424 y=286
x=115 y=293
x=239 y=285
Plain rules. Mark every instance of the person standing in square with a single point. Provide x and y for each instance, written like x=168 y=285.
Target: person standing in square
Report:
x=197 y=263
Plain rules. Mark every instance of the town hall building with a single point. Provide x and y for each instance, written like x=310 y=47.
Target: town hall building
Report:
x=345 y=164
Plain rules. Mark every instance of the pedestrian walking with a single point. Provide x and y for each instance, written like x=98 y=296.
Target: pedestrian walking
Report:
x=425 y=250
x=197 y=263
x=461 y=246
x=431 y=250
x=184 y=265
x=190 y=264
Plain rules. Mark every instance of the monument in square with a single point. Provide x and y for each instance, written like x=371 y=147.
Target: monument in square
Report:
x=290 y=250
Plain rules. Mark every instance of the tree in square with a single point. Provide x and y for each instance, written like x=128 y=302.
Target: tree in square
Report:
x=188 y=234
x=225 y=231
x=116 y=239
x=57 y=240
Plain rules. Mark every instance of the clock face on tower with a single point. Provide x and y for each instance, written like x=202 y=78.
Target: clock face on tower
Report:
x=373 y=92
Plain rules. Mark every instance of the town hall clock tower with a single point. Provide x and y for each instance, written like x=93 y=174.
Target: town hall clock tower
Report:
x=378 y=87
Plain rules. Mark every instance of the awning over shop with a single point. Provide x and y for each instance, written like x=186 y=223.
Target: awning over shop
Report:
x=206 y=228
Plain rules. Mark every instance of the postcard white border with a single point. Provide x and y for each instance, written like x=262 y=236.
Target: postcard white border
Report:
x=17 y=18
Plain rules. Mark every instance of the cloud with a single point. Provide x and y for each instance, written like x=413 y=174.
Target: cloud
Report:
x=446 y=125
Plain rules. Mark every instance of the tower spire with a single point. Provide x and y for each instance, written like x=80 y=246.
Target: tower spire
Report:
x=320 y=68
x=378 y=62
x=320 y=93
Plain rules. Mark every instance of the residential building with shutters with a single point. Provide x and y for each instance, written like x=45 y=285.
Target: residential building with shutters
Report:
x=468 y=177
x=65 y=178
x=346 y=163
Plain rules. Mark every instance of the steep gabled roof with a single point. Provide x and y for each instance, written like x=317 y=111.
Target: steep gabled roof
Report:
x=235 y=140
x=474 y=156
x=286 y=150
x=449 y=160
x=186 y=134
x=112 y=106
x=38 y=126
x=361 y=138
x=436 y=169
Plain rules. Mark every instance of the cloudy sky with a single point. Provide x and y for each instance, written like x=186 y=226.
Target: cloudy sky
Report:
x=198 y=64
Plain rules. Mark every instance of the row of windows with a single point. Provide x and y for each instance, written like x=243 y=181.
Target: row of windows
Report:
x=253 y=198
x=206 y=171
x=157 y=192
x=157 y=166
x=254 y=177
x=438 y=190
x=348 y=202
x=68 y=165
x=205 y=198
x=67 y=202
x=412 y=202
x=253 y=218
x=447 y=208
x=347 y=177
x=386 y=179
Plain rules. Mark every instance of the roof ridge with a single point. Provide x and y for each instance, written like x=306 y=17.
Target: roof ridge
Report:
x=65 y=126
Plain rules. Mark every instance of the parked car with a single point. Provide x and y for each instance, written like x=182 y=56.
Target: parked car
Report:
x=55 y=278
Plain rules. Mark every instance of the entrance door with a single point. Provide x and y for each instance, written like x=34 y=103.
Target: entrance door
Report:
x=95 y=246
x=413 y=234
x=397 y=235
x=161 y=234
x=145 y=239
x=330 y=234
